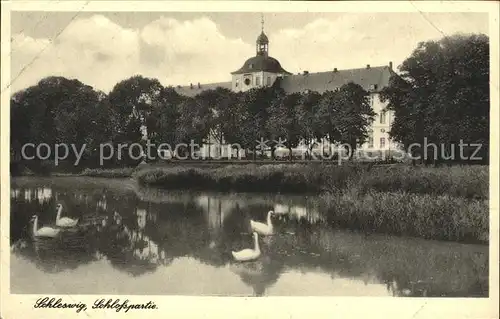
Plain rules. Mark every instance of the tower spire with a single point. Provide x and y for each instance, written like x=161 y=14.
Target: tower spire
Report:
x=262 y=22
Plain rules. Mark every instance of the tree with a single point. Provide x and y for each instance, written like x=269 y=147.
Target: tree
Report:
x=162 y=121
x=137 y=102
x=282 y=122
x=347 y=115
x=137 y=97
x=193 y=122
x=59 y=110
x=256 y=103
x=231 y=117
x=442 y=94
x=308 y=118
x=227 y=117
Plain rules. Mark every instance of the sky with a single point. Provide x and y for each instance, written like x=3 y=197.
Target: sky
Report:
x=103 y=48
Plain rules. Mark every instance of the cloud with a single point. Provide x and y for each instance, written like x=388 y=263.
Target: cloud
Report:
x=193 y=51
x=354 y=40
x=101 y=53
x=96 y=51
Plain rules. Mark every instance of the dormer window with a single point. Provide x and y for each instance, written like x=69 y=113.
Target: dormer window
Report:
x=250 y=66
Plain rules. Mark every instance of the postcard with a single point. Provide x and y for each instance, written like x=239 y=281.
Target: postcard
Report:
x=249 y=159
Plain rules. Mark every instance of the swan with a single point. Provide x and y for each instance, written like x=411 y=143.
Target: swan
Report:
x=261 y=228
x=65 y=221
x=248 y=254
x=44 y=231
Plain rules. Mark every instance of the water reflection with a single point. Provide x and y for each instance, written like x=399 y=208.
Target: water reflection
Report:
x=134 y=240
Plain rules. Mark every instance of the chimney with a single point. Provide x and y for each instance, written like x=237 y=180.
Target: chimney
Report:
x=335 y=70
x=306 y=72
x=199 y=85
x=390 y=65
x=367 y=66
x=191 y=85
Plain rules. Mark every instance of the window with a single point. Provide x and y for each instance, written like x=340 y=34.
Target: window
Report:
x=248 y=81
x=382 y=117
x=370 y=142
x=268 y=80
x=257 y=80
x=237 y=83
x=382 y=142
x=250 y=66
x=373 y=97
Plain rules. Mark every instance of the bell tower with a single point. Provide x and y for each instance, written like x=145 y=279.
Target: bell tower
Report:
x=260 y=70
x=262 y=41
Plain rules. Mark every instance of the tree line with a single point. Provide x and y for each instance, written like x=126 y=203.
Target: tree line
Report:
x=441 y=93
x=59 y=110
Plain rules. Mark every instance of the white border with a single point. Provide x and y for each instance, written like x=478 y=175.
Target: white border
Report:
x=14 y=306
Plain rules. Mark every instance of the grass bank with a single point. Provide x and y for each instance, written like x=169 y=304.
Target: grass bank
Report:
x=109 y=173
x=460 y=181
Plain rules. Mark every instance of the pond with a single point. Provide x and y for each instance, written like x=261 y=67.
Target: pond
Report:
x=137 y=241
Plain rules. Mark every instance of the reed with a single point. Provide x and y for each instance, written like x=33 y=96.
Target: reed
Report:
x=441 y=217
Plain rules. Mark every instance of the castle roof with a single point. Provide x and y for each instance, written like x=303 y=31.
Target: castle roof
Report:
x=196 y=89
x=370 y=78
x=261 y=63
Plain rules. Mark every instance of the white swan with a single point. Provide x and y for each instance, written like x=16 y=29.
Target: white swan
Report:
x=44 y=231
x=261 y=228
x=65 y=221
x=248 y=254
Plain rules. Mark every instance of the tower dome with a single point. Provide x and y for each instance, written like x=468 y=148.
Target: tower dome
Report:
x=263 y=38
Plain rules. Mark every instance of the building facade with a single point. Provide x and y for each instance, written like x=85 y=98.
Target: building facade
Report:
x=262 y=70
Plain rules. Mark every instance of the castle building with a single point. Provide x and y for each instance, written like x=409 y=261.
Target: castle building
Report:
x=262 y=70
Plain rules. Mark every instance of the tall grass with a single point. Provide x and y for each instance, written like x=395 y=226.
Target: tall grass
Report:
x=401 y=213
x=460 y=181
